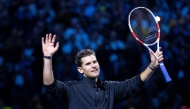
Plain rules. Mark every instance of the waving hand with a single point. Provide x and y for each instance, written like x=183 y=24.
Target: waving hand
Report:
x=48 y=47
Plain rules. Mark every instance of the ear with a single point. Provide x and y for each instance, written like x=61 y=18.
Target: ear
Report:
x=80 y=70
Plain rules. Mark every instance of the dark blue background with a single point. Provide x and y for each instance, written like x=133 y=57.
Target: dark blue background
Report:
x=102 y=26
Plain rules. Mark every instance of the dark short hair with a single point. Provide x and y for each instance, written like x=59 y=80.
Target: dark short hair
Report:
x=81 y=54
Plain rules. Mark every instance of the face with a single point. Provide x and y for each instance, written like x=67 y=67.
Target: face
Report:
x=90 y=67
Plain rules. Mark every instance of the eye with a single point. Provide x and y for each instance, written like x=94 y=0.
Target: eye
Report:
x=95 y=61
x=88 y=63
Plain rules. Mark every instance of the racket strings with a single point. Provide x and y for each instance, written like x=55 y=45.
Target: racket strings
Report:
x=144 y=26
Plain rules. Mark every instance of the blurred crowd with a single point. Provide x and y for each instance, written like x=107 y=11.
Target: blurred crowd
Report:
x=100 y=25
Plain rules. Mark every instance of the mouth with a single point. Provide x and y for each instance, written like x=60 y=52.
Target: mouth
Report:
x=95 y=70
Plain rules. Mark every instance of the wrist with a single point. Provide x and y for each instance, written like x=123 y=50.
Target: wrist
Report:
x=47 y=54
x=47 y=57
x=152 y=67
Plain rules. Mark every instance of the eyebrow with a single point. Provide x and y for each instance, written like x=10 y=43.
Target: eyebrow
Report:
x=87 y=63
x=90 y=62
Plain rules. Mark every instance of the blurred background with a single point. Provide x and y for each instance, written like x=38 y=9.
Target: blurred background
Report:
x=100 y=25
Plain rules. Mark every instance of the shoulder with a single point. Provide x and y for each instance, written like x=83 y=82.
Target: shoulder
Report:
x=131 y=81
x=59 y=83
x=69 y=83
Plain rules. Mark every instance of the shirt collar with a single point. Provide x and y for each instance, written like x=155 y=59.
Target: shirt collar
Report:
x=89 y=82
x=92 y=83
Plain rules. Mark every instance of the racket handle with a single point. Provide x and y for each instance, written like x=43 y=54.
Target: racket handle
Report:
x=165 y=72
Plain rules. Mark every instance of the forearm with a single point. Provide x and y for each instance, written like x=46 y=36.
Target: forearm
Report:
x=49 y=47
x=48 y=77
x=146 y=74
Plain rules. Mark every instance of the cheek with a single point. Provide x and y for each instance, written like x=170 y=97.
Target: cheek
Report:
x=86 y=69
x=98 y=65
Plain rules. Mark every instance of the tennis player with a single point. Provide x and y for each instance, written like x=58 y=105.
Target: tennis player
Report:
x=91 y=92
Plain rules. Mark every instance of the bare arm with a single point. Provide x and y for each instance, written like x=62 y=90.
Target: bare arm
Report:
x=48 y=49
x=146 y=74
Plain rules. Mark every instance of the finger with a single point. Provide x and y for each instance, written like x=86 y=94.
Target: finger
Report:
x=53 y=39
x=159 y=53
x=161 y=59
x=42 y=41
x=47 y=38
x=50 y=35
x=160 y=56
x=160 y=48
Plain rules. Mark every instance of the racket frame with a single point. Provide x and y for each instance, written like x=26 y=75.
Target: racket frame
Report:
x=164 y=71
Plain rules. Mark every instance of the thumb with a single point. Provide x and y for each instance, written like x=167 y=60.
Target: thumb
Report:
x=57 y=45
x=150 y=52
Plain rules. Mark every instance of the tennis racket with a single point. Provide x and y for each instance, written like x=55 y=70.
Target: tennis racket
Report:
x=145 y=29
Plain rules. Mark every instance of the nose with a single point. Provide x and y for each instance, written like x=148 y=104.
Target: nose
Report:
x=93 y=65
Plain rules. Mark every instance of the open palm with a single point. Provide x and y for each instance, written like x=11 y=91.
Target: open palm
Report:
x=48 y=47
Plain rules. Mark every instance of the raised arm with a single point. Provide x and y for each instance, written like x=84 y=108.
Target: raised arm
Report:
x=146 y=74
x=48 y=50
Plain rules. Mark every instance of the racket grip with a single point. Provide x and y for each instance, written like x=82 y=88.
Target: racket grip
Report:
x=165 y=72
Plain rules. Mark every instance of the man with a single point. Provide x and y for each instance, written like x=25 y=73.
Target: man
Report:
x=90 y=92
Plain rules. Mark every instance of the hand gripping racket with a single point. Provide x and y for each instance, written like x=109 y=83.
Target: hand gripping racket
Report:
x=145 y=29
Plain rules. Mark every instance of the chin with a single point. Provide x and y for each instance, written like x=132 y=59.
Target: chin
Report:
x=94 y=76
